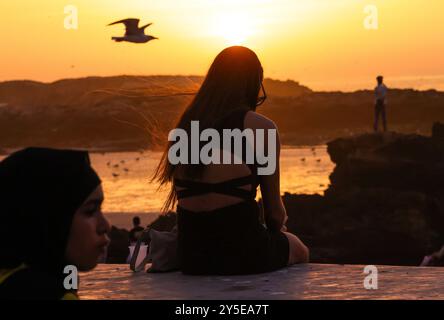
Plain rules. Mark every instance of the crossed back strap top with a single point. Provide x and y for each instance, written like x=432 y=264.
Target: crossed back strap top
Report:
x=230 y=187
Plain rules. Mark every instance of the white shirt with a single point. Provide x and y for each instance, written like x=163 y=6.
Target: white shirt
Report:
x=381 y=92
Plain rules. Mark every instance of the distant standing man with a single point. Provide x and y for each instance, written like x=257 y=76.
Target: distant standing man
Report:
x=380 y=103
x=136 y=231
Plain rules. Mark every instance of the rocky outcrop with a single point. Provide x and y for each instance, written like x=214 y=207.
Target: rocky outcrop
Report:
x=408 y=162
x=438 y=130
x=367 y=226
x=385 y=203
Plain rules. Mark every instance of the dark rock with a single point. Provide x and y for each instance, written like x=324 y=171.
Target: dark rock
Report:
x=381 y=226
x=438 y=130
x=118 y=250
x=385 y=203
x=379 y=172
x=409 y=162
x=340 y=149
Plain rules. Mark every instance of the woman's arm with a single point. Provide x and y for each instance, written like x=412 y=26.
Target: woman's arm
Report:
x=274 y=210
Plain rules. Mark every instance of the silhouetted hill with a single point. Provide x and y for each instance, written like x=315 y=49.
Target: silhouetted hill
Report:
x=133 y=112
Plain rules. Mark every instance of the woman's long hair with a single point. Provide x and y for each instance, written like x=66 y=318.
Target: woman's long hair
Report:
x=232 y=83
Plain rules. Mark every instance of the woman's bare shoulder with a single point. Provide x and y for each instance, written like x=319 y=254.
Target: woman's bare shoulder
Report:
x=255 y=120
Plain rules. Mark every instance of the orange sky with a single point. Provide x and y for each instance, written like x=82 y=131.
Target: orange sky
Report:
x=321 y=43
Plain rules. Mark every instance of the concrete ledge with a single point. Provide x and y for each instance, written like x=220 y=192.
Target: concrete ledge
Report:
x=311 y=281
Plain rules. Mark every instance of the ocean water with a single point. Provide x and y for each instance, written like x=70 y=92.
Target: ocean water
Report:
x=128 y=191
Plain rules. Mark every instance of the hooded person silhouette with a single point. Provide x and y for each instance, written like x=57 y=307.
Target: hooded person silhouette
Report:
x=42 y=192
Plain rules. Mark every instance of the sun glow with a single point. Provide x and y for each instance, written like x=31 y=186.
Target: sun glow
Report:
x=235 y=28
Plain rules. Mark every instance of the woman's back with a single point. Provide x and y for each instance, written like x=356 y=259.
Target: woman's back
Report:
x=219 y=220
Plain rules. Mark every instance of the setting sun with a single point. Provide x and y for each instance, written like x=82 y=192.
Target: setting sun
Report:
x=235 y=28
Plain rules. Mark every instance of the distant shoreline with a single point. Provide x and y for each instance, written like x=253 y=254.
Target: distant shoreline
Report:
x=98 y=150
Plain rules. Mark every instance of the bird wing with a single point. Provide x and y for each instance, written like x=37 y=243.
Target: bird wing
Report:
x=146 y=26
x=131 y=25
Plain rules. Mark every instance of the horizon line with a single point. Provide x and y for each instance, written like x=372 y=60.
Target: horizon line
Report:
x=269 y=78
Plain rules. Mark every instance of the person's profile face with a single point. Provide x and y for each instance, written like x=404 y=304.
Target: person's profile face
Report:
x=88 y=238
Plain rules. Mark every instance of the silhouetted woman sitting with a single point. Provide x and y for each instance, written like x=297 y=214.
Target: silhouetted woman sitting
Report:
x=219 y=227
x=50 y=213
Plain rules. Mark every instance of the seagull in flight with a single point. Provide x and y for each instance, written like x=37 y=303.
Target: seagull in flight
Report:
x=133 y=32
